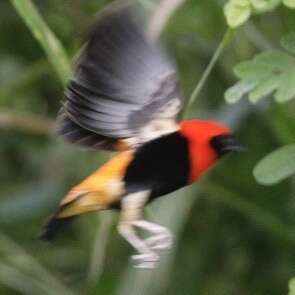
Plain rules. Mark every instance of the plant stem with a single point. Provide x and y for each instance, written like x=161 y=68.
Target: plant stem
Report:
x=227 y=38
x=30 y=124
x=97 y=259
x=50 y=44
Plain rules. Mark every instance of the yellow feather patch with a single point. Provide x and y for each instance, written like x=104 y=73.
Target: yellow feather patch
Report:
x=99 y=190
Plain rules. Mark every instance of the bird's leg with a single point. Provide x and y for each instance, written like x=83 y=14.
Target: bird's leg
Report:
x=162 y=238
x=131 y=209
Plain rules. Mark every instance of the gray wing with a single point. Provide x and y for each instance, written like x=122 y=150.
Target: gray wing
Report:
x=123 y=84
x=75 y=134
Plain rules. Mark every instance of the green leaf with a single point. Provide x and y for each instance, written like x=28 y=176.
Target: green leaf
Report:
x=237 y=13
x=270 y=71
x=286 y=90
x=275 y=58
x=261 y=6
x=288 y=42
x=51 y=45
x=292 y=287
x=240 y=2
x=276 y=166
x=252 y=71
x=289 y=3
x=237 y=91
x=263 y=65
x=263 y=89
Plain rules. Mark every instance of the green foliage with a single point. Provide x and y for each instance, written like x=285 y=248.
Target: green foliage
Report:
x=276 y=166
x=237 y=12
x=268 y=72
x=25 y=267
x=288 y=42
x=239 y=90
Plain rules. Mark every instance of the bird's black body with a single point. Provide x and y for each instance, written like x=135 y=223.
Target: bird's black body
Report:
x=161 y=165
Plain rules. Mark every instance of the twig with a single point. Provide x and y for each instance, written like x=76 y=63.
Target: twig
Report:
x=26 y=123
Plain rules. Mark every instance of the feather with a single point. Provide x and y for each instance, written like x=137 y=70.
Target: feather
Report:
x=123 y=82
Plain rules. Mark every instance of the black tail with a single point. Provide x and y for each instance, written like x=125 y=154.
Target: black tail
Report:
x=53 y=226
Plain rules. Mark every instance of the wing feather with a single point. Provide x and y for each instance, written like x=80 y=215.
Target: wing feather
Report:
x=123 y=82
x=75 y=134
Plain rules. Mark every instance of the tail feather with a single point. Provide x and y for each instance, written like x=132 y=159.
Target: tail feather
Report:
x=101 y=190
x=53 y=227
x=66 y=212
x=82 y=203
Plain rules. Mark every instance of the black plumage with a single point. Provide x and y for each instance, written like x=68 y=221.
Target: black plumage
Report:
x=53 y=226
x=160 y=166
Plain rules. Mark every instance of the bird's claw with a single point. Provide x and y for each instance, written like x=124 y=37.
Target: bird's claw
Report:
x=146 y=260
x=160 y=241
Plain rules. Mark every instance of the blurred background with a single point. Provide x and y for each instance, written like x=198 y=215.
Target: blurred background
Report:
x=234 y=236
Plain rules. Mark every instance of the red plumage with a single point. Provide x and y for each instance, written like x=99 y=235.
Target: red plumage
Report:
x=202 y=154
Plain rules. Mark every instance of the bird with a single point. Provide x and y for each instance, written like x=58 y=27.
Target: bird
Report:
x=125 y=97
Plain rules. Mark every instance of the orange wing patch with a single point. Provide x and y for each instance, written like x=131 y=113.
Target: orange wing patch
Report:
x=99 y=190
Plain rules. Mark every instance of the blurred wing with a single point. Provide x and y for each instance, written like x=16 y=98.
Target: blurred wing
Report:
x=124 y=86
x=75 y=134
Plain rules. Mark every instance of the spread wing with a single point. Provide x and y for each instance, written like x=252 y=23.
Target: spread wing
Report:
x=124 y=87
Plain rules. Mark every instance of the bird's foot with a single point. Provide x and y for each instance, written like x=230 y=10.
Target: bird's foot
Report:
x=161 y=237
x=160 y=241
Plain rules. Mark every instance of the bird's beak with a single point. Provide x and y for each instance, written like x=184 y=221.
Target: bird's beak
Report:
x=224 y=144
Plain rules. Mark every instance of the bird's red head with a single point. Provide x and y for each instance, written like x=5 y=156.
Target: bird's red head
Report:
x=207 y=140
